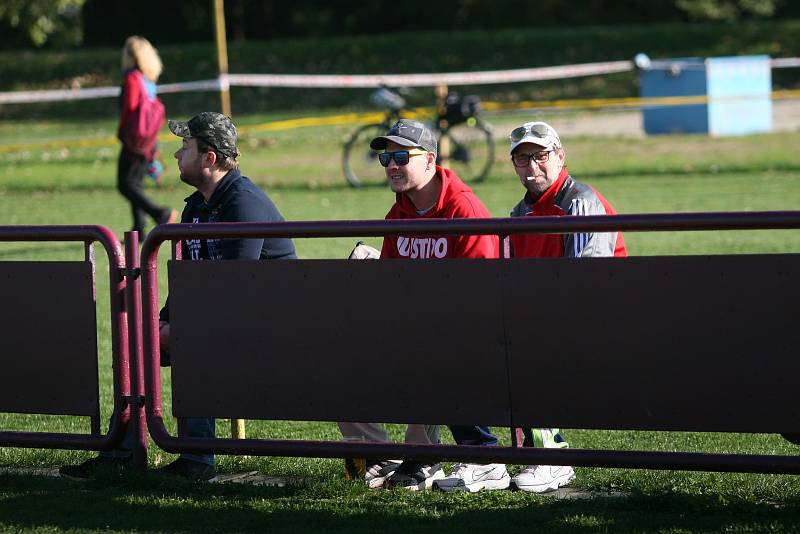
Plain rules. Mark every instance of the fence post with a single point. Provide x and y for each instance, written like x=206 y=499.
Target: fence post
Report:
x=441 y=109
x=133 y=305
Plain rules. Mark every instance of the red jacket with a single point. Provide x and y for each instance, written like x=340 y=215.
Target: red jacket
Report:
x=456 y=201
x=132 y=87
x=566 y=197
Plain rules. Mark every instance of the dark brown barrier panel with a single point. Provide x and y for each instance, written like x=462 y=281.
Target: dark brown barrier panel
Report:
x=49 y=338
x=687 y=343
x=339 y=340
x=49 y=335
x=326 y=284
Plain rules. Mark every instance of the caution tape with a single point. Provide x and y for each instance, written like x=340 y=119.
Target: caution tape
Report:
x=335 y=81
x=421 y=112
x=428 y=80
x=225 y=81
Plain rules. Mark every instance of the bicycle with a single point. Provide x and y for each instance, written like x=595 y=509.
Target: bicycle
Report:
x=464 y=139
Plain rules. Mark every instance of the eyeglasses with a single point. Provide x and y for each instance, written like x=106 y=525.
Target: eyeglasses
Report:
x=537 y=130
x=522 y=160
x=401 y=157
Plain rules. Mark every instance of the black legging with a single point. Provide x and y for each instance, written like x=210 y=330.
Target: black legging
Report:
x=130 y=175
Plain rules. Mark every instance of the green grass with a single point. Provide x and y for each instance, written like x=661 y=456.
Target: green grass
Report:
x=300 y=170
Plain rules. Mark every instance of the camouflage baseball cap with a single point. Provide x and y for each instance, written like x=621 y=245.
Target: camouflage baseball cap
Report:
x=408 y=133
x=214 y=128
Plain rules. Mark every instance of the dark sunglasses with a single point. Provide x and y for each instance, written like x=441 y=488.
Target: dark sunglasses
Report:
x=401 y=157
x=537 y=130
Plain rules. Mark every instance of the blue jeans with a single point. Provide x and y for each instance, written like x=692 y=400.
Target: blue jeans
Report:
x=473 y=435
x=196 y=427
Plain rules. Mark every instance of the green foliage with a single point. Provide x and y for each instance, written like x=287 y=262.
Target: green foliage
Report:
x=451 y=51
x=57 y=21
x=728 y=10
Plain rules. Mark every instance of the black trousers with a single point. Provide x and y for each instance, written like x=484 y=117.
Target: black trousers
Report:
x=131 y=169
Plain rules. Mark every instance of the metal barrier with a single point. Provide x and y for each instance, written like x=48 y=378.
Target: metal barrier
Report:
x=656 y=396
x=49 y=329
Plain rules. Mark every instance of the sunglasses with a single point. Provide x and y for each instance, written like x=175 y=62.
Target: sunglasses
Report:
x=537 y=130
x=401 y=157
x=522 y=160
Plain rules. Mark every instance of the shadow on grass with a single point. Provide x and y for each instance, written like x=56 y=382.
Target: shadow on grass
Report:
x=152 y=505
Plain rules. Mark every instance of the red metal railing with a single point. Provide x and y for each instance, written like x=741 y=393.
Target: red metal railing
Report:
x=500 y=227
x=119 y=339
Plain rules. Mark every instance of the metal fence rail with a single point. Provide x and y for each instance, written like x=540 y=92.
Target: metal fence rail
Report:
x=148 y=353
x=119 y=340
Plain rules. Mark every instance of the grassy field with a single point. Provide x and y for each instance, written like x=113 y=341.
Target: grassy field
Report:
x=69 y=184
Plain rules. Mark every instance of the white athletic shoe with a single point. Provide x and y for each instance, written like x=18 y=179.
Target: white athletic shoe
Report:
x=475 y=477
x=543 y=478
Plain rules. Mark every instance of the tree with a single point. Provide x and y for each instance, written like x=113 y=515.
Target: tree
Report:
x=728 y=10
x=57 y=21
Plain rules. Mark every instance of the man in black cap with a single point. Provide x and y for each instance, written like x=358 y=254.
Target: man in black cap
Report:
x=208 y=161
x=426 y=190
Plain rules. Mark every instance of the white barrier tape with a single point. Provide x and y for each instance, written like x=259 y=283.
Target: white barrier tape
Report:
x=428 y=80
x=57 y=95
x=333 y=81
x=665 y=64
x=224 y=82
x=61 y=95
x=201 y=85
x=355 y=80
x=784 y=62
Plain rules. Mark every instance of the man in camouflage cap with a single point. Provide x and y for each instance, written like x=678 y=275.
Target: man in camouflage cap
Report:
x=208 y=161
x=215 y=129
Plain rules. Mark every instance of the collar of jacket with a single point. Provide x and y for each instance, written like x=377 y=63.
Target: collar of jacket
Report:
x=549 y=197
x=219 y=192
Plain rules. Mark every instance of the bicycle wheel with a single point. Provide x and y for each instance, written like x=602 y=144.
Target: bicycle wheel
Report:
x=359 y=161
x=471 y=150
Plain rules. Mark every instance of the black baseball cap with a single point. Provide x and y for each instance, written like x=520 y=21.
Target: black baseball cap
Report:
x=407 y=132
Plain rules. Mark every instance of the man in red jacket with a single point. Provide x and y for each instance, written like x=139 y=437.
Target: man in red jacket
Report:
x=426 y=190
x=539 y=160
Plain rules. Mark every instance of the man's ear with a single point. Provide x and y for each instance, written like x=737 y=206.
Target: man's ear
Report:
x=431 y=160
x=210 y=159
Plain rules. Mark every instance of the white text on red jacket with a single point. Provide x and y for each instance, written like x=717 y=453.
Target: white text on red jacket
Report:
x=422 y=247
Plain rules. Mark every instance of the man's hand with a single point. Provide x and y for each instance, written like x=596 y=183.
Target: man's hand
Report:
x=163 y=338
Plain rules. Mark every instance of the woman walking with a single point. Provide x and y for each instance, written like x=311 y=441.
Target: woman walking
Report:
x=141 y=117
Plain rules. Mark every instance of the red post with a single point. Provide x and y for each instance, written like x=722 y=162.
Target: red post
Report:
x=133 y=305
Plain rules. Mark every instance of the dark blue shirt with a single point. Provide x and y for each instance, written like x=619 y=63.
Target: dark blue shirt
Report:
x=235 y=199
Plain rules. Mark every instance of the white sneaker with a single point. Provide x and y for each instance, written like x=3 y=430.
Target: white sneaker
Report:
x=475 y=477
x=543 y=478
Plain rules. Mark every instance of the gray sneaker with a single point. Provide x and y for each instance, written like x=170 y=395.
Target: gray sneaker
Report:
x=414 y=476
x=377 y=473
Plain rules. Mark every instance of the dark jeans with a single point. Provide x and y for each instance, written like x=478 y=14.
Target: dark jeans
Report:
x=131 y=169
x=473 y=435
